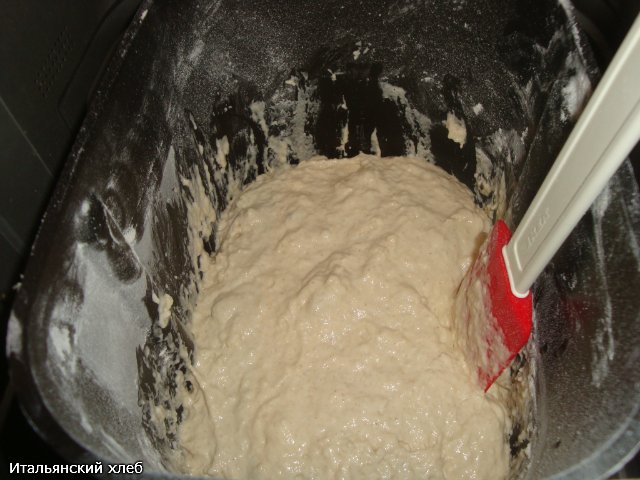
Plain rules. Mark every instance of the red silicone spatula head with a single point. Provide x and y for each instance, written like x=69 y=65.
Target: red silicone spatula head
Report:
x=492 y=323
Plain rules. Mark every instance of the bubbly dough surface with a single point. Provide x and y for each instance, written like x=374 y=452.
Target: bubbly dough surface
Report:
x=324 y=345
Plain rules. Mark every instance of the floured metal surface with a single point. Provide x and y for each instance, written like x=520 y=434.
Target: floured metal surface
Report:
x=209 y=95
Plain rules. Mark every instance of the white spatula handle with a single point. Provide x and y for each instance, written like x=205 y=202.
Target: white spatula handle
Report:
x=604 y=135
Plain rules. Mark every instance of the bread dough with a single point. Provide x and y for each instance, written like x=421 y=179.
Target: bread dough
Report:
x=324 y=345
x=456 y=128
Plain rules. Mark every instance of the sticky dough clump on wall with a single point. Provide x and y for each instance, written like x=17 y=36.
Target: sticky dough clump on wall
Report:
x=457 y=129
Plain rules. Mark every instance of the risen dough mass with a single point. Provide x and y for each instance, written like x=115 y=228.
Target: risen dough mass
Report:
x=323 y=331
